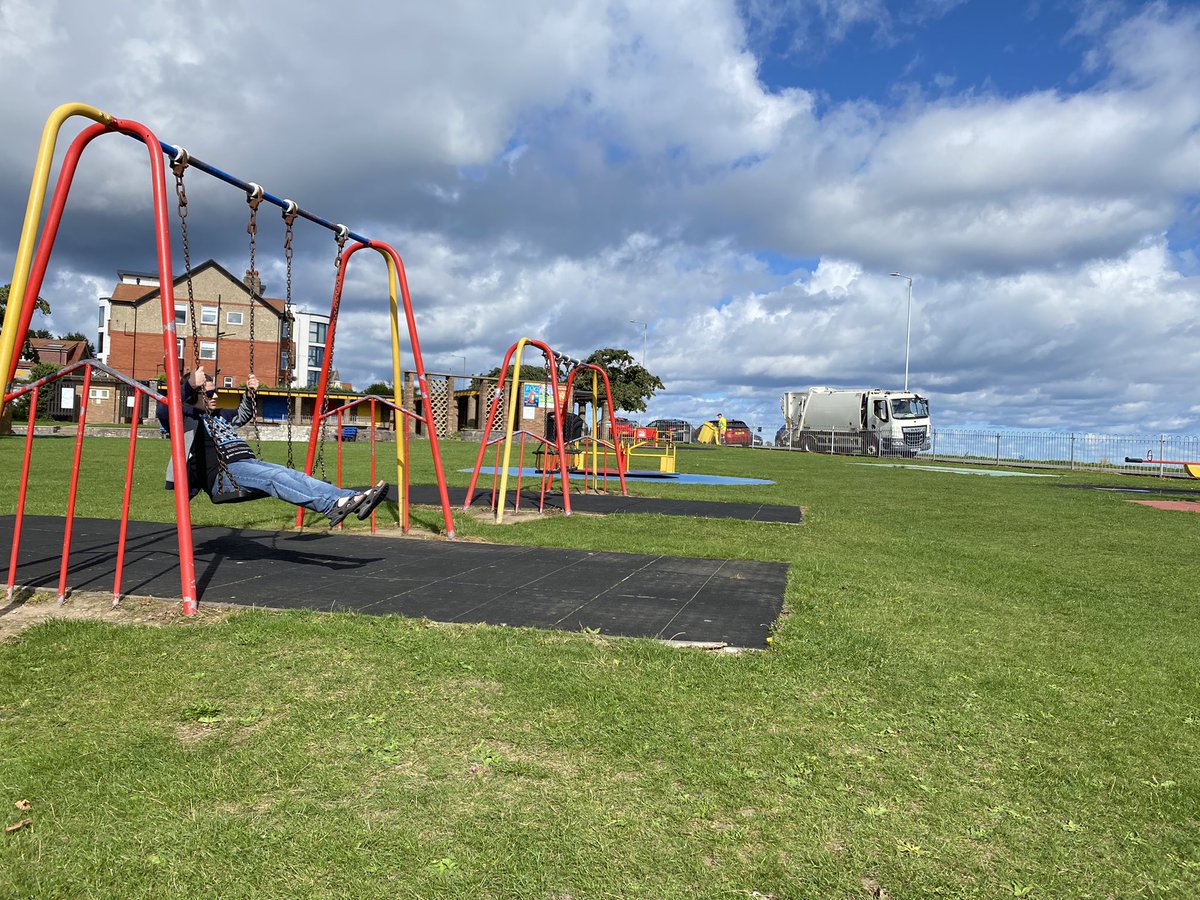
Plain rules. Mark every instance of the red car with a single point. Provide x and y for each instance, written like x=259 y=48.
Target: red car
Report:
x=737 y=433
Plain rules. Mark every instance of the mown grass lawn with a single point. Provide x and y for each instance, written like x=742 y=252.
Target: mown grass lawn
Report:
x=981 y=687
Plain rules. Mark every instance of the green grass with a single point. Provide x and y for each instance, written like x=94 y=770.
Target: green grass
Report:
x=982 y=687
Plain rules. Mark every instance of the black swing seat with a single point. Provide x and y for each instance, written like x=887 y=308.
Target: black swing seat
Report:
x=222 y=490
x=235 y=496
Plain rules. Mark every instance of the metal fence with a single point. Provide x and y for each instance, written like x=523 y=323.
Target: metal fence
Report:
x=1036 y=449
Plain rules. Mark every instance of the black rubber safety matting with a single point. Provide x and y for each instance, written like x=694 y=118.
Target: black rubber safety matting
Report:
x=627 y=594
x=605 y=504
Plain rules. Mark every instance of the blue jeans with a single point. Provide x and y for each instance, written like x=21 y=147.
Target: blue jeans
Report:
x=287 y=484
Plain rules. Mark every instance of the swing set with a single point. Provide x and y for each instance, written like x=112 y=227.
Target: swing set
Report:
x=33 y=255
x=557 y=455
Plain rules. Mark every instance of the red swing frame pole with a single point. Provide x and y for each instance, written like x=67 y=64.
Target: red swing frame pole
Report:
x=162 y=228
x=22 y=491
x=422 y=383
x=80 y=426
x=187 y=567
x=493 y=408
x=135 y=421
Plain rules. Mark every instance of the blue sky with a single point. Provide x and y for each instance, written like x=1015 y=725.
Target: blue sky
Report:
x=742 y=175
x=1006 y=48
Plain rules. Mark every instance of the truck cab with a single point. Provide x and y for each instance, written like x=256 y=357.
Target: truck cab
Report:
x=898 y=422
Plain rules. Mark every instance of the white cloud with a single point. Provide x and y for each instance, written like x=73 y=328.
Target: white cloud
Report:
x=555 y=170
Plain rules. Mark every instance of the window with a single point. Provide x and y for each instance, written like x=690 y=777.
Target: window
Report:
x=100 y=342
x=181 y=315
x=316 y=356
x=228 y=381
x=316 y=332
x=102 y=311
x=284 y=361
x=208 y=349
x=209 y=315
x=98 y=393
x=286 y=331
x=233 y=318
x=314 y=377
x=910 y=408
x=179 y=345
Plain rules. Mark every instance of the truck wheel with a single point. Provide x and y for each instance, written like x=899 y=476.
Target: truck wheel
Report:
x=871 y=446
x=808 y=444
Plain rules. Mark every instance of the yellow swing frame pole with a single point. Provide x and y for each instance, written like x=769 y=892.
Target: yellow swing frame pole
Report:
x=513 y=400
x=33 y=218
x=397 y=387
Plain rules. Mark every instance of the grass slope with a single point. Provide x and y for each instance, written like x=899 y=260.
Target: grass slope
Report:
x=982 y=687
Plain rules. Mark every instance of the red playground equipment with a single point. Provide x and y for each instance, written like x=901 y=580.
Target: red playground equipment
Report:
x=558 y=454
x=590 y=454
x=33 y=255
x=500 y=472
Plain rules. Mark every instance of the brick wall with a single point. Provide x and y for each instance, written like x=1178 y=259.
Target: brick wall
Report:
x=135 y=332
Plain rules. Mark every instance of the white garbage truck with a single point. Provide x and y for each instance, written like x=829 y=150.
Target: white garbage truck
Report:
x=870 y=422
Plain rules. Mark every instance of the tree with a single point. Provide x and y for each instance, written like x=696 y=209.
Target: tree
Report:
x=379 y=389
x=20 y=408
x=632 y=385
x=528 y=374
x=42 y=306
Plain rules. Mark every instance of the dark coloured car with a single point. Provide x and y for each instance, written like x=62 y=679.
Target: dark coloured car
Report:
x=676 y=430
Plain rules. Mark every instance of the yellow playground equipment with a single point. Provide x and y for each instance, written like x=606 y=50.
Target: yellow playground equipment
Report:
x=648 y=444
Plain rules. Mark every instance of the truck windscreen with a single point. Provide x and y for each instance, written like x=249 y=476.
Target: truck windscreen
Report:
x=910 y=408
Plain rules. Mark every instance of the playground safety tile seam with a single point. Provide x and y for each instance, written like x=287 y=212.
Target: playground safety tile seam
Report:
x=734 y=601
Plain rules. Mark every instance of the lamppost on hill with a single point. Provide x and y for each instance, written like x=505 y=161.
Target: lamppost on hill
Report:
x=908 y=323
x=644 y=328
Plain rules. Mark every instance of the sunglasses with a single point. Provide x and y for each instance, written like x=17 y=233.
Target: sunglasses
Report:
x=211 y=393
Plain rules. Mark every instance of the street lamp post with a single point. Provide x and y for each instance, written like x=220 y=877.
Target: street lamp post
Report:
x=644 y=327
x=217 y=352
x=464 y=365
x=907 y=325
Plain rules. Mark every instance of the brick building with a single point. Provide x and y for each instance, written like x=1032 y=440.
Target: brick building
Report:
x=130 y=327
x=56 y=351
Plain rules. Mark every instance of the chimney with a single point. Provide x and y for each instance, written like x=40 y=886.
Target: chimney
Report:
x=253 y=282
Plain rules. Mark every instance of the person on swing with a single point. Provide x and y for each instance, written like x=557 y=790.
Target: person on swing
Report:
x=216 y=453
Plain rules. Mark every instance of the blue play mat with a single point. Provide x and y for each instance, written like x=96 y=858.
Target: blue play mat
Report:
x=530 y=472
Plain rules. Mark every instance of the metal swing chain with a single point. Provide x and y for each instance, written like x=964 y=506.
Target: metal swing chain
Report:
x=254 y=198
x=289 y=217
x=342 y=233
x=179 y=165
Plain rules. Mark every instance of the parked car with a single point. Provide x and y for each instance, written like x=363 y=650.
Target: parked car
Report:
x=676 y=430
x=737 y=433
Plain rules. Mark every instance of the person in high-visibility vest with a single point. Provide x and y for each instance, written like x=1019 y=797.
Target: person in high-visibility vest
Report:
x=721 y=427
